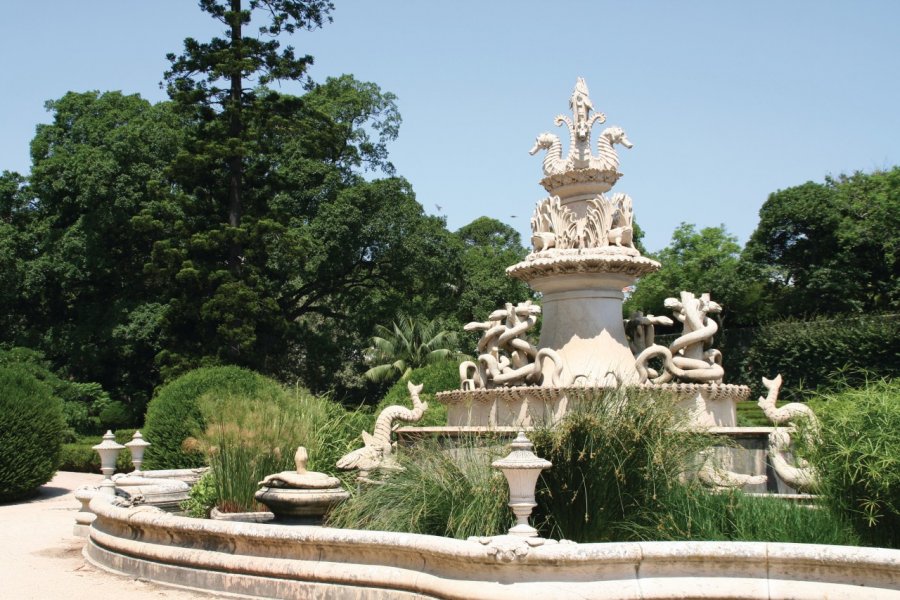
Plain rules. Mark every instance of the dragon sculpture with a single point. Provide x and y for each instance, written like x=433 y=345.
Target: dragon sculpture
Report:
x=687 y=358
x=376 y=452
x=505 y=357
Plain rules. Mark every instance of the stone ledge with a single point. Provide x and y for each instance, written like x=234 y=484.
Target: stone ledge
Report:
x=253 y=560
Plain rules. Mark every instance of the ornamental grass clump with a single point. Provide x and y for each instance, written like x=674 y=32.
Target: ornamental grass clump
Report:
x=616 y=456
x=856 y=453
x=247 y=438
x=439 y=491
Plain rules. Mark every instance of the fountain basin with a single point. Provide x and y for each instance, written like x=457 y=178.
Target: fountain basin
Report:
x=709 y=404
x=252 y=560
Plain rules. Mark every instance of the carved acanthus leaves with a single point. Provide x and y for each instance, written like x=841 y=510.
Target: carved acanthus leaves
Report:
x=606 y=222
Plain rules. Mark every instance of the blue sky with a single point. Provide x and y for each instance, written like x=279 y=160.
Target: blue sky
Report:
x=725 y=102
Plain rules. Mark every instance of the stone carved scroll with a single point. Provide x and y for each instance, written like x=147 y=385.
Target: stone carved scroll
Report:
x=505 y=357
x=687 y=358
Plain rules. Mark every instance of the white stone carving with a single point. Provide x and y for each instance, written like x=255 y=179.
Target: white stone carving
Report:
x=376 y=453
x=800 y=475
x=788 y=412
x=641 y=331
x=505 y=356
x=607 y=222
x=554 y=163
x=300 y=494
x=608 y=159
x=687 y=358
x=714 y=475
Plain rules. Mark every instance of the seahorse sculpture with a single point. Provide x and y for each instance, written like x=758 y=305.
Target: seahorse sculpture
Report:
x=554 y=163
x=377 y=448
x=608 y=159
x=504 y=357
x=686 y=358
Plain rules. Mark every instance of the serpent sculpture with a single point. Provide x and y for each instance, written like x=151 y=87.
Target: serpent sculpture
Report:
x=686 y=358
x=377 y=447
x=505 y=358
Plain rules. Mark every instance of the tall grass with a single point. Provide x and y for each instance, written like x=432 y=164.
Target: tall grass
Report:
x=690 y=512
x=857 y=456
x=616 y=455
x=247 y=438
x=452 y=493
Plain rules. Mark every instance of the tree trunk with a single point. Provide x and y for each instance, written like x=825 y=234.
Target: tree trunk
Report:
x=235 y=132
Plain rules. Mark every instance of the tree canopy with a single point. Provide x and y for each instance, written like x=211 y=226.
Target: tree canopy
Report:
x=831 y=248
x=700 y=261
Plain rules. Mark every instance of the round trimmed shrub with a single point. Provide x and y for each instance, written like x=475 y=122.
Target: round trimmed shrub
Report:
x=174 y=415
x=31 y=429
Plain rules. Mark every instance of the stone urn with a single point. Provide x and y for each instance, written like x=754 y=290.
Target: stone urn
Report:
x=301 y=496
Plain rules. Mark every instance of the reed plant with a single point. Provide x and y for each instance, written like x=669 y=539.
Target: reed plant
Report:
x=247 y=438
x=616 y=455
x=856 y=453
x=437 y=491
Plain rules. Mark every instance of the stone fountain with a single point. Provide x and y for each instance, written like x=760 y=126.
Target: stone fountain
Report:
x=583 y=258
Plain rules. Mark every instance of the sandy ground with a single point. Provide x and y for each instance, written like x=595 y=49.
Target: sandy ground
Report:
x=41 y=559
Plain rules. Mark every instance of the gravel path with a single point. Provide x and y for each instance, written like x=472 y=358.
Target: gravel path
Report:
x=41 y=559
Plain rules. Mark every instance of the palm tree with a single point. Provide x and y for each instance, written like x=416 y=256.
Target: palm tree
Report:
x=408 y=345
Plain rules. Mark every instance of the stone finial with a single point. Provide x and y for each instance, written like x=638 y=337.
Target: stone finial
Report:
x=521 y=468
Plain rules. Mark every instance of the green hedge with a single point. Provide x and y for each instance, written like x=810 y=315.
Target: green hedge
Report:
x=174 y=417
x=80 y=456
x=436 y=377
x=31 y=428
x=823 y=354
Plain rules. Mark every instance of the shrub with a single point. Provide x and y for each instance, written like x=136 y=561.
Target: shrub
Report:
x=436 y=377
x=438 y=492
x=82 y=402
x=824 y=353
x=31 y=428
x=174 y=414
x=201 y=499
x=857 y=456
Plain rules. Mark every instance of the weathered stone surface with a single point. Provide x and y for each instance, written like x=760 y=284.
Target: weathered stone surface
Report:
x=272 y=561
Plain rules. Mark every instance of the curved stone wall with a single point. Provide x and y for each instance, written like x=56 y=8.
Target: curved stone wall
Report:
x=274 y=561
